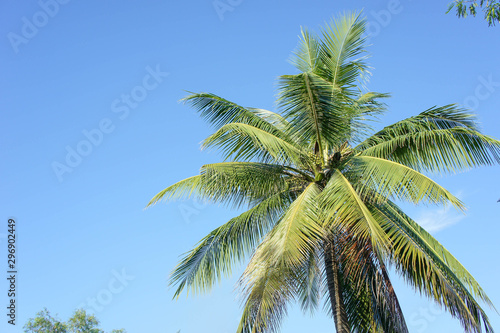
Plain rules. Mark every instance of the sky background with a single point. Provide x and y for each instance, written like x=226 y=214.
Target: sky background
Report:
x=82 y=229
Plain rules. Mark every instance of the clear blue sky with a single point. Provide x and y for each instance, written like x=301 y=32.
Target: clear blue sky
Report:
x=81 y=221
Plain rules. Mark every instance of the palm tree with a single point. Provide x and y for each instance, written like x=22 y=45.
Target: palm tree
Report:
x=322 y=222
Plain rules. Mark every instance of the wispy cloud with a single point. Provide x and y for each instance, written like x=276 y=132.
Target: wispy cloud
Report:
x=435 y=220
x=439 y=219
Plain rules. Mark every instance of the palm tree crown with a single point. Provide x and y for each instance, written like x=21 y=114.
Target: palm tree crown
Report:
x=322 y=222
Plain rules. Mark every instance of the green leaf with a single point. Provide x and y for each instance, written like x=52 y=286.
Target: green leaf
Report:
x=215 y=255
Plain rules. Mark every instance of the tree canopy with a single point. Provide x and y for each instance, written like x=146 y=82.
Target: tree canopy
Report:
x=80 y=322
x=320 y=187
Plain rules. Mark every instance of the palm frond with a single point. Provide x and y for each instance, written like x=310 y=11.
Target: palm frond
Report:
x=343 y=52
x=428 y=267
x=293 y=238
x=242 y=183
x=393 y=180
x=342 y=207
x=307 y=103
x=184 y=188
x=217 y=253
x=267 y=290
x=309 y=283
x=365 y=109
x=306 y=57
x=244 y=142
x=219 y=112
x=239 y=183
x=272 y=118
x=444 y=139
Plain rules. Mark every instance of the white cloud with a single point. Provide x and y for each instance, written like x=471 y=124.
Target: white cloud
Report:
x=438 y=219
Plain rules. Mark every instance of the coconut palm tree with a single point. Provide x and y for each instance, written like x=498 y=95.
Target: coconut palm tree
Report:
x=322 y=222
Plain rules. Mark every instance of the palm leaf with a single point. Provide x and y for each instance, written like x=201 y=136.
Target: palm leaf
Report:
x=245 y=142
x=343 y=52
x=309 y=283
x=184 y=188
x=230 y=182
x=243 y=182
x=291 y=240
x=219 y=112
x=307 y=103
x=306 y=57
x=267 y=290
x=341 y=206
x=216 y=254
x=393 y=180
x=439 y=139
x=424 y=264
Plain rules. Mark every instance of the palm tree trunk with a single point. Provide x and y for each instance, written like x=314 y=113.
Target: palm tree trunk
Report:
x=335 y=288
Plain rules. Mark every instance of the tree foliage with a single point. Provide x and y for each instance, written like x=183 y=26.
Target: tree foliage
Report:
x=320 y=188
x=80 y=322
x=490 y=8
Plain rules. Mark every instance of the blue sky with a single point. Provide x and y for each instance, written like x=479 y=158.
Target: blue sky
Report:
x=102 y=79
